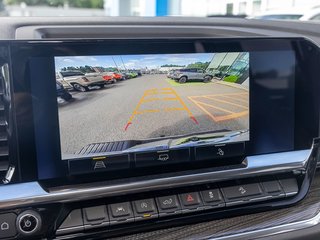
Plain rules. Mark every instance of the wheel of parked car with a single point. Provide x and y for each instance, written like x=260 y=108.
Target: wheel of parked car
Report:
x=183 y=80
x=102 y=86
x=207 y=79
x=79 y=88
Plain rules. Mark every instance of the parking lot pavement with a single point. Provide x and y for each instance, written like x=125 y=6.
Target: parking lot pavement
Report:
x=149 y=107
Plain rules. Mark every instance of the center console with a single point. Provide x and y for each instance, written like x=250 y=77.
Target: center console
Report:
x=131 y=135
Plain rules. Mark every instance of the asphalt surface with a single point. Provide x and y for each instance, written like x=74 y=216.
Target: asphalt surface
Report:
x=150 y=106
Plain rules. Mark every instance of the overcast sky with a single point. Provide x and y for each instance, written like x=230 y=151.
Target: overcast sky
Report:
x=132 y=61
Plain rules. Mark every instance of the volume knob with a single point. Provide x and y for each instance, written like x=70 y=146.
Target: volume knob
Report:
x=29 y=222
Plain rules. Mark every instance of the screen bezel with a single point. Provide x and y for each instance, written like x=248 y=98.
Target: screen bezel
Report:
x=306 y=128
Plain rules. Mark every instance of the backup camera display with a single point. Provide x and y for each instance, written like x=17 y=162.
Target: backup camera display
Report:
x=139 y=102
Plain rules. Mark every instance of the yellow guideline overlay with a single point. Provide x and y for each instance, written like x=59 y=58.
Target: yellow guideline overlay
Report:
x=222 y=103
x=159 y=94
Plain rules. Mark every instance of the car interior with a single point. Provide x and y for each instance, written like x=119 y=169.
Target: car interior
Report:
x=169 y=127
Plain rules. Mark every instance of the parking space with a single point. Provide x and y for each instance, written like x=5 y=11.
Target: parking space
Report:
x=222 y=107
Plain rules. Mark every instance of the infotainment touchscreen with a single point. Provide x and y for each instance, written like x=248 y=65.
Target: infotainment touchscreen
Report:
x=135 y=107
x=131 y=103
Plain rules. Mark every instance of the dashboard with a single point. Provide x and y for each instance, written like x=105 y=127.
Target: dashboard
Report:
x=139 y=128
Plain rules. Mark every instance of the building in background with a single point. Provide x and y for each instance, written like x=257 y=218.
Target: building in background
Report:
x=231 y=67
x=199 y=8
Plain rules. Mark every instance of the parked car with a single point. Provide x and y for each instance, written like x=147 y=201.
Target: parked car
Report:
x=117 y=76
x=108 y=77
x=126 y=75
x=133 y=74
x=291 y=14
x=171 y=73
x=62 y=92
x=187 y=74
x=130 y=74
x=139 y=72
x=79 y=81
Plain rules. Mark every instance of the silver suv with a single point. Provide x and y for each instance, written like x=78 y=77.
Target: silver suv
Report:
x=187 y=74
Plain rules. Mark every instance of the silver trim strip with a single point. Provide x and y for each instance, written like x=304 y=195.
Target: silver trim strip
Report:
x=271 y=231
x=28 y=194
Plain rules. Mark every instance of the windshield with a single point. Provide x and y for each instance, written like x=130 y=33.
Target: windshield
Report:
x=71 y=74
x=281 y=16
x=261 y=9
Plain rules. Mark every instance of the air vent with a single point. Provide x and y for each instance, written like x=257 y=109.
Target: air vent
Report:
x=4 y=116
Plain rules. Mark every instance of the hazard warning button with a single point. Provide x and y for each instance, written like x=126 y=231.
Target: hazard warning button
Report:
x=190 y=200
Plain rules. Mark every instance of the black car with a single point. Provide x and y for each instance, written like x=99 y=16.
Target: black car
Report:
x=62 y=92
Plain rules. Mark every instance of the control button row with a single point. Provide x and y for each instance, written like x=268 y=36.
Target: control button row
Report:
x=125 y=212
x=26 y=223
x=154 y=158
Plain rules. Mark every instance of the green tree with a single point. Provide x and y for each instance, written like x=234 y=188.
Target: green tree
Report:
x=71 y=68
x=86 y=69
x=172 y=65
x=200 y=65
x=111 y=69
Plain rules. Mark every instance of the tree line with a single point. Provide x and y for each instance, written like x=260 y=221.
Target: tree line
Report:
x=200 y=65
